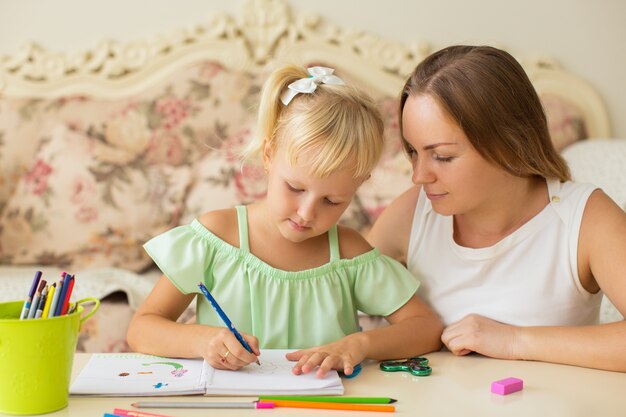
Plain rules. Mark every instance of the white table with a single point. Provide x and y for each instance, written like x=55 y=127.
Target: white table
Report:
x=458 y=386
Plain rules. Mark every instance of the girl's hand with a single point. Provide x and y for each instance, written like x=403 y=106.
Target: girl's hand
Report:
x=342 y=355
x=479 y=334
x=223 y=350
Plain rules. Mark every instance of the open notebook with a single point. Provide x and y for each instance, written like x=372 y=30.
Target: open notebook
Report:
x=132 y=374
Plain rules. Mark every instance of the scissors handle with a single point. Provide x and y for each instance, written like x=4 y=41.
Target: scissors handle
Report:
x=417 y=366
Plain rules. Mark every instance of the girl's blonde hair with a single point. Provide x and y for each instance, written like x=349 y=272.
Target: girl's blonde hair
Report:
x=336 y=126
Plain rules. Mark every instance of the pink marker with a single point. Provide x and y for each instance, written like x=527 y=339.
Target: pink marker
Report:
x=507 y=386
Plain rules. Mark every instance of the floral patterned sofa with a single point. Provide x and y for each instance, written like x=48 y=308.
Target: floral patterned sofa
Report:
x=101 y=151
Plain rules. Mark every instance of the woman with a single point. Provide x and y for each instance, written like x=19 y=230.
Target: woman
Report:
x=512 y=254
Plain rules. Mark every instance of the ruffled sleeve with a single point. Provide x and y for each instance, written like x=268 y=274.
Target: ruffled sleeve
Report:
x=383 y=286
x=183 y=256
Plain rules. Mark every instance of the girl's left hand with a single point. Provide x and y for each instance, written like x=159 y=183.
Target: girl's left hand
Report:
x=475 y=333
x=342 y=355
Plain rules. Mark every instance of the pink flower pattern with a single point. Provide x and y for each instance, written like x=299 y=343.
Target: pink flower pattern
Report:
x=250 y=183
x=173 y=110
x=167 y=149
x=37 y=178
x=83 y=190
x=86 y=214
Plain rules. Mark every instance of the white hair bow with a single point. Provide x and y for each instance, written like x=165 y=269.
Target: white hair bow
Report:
x=319 y=75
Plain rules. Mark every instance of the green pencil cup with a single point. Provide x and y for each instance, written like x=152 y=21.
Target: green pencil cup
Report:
x=36 y=358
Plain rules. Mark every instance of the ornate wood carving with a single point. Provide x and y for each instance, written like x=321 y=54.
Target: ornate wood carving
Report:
x=264 y=34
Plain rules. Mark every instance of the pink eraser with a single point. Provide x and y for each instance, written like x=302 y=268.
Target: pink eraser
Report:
x=507 y=386
x=263 y=404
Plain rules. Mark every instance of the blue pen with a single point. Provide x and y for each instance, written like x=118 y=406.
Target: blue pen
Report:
x=225 y=318
x=31 y=293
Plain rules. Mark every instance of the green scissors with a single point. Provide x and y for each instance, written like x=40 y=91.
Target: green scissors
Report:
x=417 y=366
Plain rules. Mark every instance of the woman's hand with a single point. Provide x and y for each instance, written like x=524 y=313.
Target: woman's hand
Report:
x=479 y=334
x=223 y=350
x=342 y=355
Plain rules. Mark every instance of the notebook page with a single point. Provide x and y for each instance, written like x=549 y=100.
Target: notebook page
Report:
x=132 y=374
x=274 y=376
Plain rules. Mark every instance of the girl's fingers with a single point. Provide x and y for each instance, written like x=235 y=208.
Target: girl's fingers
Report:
x=317 y=358
x=253 y=342
x=297 y=369
x=329 y=363
x=324 y=361
x=295 y=356
x=239 y=356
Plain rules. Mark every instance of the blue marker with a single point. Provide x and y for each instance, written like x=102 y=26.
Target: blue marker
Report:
x=29 y=298
x=225 y=318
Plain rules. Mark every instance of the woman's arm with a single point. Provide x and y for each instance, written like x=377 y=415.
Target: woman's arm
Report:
x=392 y=230
x=601 y=264
x=154 y=330
x=414 y=330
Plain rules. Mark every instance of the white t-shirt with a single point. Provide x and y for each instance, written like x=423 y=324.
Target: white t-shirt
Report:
x=529 y=278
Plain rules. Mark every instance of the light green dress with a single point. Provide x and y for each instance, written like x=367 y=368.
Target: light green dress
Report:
x=283 y=309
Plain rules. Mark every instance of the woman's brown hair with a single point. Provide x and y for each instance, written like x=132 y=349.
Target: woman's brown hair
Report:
x=486 y=91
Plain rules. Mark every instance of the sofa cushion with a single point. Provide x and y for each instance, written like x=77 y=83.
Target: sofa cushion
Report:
x=21 y=127
x=185 y=115
x=86 y=202
x=565 y=121
x=601 y=162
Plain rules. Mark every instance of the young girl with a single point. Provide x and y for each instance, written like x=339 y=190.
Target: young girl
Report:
x=287 y=276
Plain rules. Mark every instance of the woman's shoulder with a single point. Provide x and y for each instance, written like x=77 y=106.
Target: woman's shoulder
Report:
x=401 y=209
x=603 y=219
x=601 y=244
x=391 y=231
x=223 y=224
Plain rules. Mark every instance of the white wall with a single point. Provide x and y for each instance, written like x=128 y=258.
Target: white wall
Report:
x=586 y=36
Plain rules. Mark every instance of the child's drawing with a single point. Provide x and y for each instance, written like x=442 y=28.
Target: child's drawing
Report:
x=178 y=368
x=268 y=367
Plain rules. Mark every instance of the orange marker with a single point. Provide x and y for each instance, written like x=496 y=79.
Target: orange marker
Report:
x=334 y=406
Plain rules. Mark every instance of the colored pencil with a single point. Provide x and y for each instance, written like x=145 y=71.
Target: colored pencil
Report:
x=36 y=298
x=55 y=298
x=42 y=302
x=66 y=302
x=62 y=290
x=333 y=406
x=189 y=404
x=329 y=399
x=132 y=413
x=46 y=308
